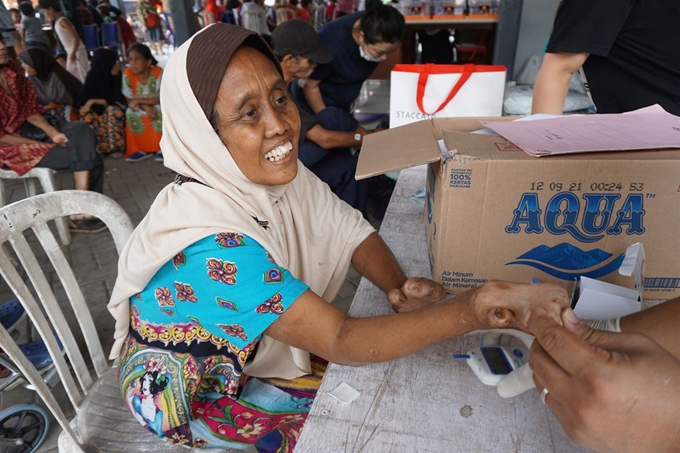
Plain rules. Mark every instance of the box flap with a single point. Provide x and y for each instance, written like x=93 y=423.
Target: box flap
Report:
x=393 y=149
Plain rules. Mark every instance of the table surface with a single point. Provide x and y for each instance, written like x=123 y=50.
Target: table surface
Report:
x=426 y=402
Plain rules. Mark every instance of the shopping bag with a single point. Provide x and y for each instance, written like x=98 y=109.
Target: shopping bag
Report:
x=419 y=92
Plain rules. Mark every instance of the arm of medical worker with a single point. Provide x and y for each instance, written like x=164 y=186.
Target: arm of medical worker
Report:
x=612 y=392
x=313 y=95
x=552 y=82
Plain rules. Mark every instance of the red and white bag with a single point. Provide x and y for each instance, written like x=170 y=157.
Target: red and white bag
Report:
x=419 y=92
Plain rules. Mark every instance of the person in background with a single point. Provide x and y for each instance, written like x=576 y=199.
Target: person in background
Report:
x=31 y=28
x=141 y=87
x=113 y=11
x=614 y=389
x=324 y=141
x=84 y=14
x=360 y=41
x=147 y=10
x=102 y=104
x=127 y=34
x=303 y=12
x=104 y=12
x=77 y=62
x=627 y=49
x=28 y=140
x=215 y=9
x=15 y=13
x=330 y=10
x=92 y=7
x=57 y=89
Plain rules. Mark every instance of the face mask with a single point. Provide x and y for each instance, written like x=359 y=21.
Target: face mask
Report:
x=367 y=56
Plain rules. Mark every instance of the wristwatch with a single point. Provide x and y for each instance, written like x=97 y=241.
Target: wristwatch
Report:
x=357 y=137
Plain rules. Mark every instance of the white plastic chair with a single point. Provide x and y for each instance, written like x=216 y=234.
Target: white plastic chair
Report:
x=285 y=13
x=44 y=175
x=255 y=20
x=103 y=423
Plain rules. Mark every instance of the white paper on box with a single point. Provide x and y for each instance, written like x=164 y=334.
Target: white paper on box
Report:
x=601 y=300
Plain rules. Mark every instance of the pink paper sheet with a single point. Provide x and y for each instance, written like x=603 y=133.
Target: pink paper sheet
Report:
x=648 y=128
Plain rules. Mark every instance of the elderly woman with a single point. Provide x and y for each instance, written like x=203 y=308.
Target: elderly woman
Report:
x=224 y=286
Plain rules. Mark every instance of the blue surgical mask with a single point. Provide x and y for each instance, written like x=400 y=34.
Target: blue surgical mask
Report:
x=367 y=56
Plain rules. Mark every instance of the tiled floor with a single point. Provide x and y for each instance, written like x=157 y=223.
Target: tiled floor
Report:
x=134 y=186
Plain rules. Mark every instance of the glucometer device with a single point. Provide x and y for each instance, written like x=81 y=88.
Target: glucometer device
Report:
x=497 y=356
x=491 y=363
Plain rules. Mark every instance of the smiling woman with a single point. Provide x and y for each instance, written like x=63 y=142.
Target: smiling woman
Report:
x=224 y=286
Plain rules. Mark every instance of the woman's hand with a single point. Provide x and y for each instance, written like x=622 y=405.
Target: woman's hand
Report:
x=72 y=57
x=59 y=138
x=86 y=108
x=416 y=293
x=506 y=305
x=151 y=111
x=133 y=104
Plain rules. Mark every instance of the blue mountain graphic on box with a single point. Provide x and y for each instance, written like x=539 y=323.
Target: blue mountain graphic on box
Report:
x=566 y=262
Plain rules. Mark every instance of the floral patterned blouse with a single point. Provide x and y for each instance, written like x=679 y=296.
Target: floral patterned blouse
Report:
x=194 y=326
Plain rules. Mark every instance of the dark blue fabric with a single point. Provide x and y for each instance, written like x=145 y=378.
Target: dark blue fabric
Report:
x=342 y=78
x=335 y=167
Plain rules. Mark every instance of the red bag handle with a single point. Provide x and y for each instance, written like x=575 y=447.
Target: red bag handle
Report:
x=468 y=69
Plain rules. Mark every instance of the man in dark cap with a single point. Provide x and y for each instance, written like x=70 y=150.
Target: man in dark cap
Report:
x=327 y=137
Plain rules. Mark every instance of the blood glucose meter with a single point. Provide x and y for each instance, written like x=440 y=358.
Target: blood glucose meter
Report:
x=492 y=361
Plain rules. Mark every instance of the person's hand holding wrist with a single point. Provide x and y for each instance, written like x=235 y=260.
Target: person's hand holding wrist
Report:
x=416 y=293
x=612 y=392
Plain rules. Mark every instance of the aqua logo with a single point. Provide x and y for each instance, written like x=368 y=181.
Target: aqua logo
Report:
x=588 y=221
x=567 y=262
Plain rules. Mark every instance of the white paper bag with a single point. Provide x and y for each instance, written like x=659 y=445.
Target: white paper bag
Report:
x=419 y=92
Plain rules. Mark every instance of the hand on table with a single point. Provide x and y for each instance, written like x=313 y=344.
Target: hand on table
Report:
x=416 y=293
x=611 y=392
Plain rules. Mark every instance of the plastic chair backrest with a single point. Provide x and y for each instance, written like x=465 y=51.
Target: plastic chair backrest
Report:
x=284 y=13
x=34 y=213
x=255 y=20
x=91 y=37
x=110 y=35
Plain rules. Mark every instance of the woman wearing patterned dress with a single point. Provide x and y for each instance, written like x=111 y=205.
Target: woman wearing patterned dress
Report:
x=224 y=286
x=102 y=104
x=141 y=87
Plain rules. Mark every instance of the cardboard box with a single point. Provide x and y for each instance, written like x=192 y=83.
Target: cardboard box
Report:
x=493 y=212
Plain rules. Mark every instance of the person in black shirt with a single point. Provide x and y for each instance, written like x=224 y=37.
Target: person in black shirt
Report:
x=628 y=50
x=326 y=137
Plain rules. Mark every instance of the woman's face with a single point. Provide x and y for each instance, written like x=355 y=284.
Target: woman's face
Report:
x=138 y=63
x=380 y=49
x=258 y=123
x=51 y=13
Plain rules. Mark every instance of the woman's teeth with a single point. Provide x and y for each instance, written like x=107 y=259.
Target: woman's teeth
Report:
x=279 y=152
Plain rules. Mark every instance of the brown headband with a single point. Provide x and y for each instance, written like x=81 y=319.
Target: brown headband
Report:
x=209 y=55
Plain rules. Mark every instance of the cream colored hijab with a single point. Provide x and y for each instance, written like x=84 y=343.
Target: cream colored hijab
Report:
x=311 y=232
